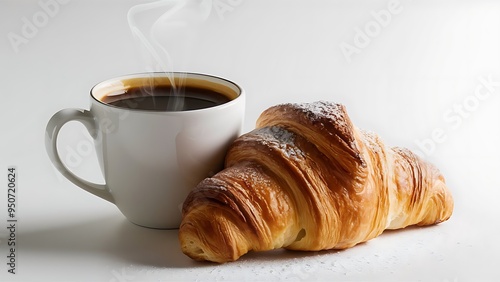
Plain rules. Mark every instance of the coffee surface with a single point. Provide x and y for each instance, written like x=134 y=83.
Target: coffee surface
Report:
x=165 y=98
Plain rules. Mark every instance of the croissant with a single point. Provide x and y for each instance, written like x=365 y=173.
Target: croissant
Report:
x=307 y=179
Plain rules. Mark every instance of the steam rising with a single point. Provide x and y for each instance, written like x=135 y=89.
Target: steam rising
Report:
x=161 y=20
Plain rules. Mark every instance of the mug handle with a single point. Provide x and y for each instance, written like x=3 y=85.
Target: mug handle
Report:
x=51 y=133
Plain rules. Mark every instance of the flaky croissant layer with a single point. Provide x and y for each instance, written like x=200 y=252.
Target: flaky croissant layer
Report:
x=307 y=179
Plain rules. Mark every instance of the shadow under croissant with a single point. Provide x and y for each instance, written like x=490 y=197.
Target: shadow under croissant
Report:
x=284 y=254
x=287 y=255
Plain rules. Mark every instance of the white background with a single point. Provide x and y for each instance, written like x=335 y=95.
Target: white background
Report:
x=414 y=77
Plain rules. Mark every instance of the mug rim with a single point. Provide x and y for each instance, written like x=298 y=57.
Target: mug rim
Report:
x=240 y=93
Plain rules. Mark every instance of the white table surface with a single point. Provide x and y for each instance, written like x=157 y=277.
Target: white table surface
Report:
x=413 y=77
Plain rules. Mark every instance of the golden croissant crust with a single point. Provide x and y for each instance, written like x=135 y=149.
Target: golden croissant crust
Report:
x=307 y=179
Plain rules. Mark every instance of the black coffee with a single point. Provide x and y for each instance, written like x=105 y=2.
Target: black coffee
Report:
x=164 y=98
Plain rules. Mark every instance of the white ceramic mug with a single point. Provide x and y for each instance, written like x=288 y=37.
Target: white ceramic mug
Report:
x=151 y=159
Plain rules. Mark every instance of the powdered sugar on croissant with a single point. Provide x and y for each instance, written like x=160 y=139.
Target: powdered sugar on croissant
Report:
x=307 y=179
